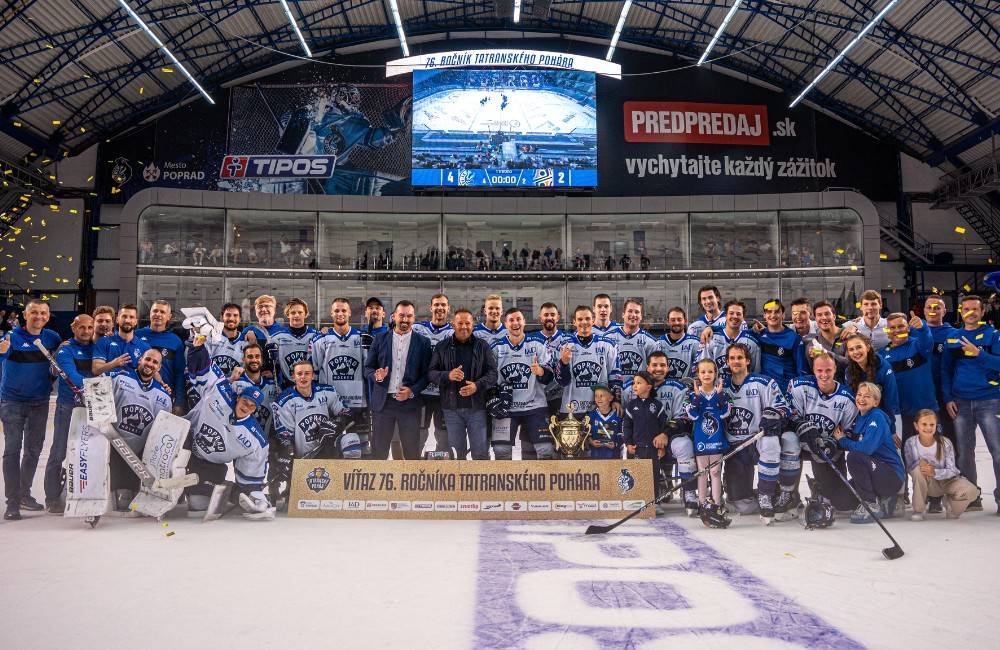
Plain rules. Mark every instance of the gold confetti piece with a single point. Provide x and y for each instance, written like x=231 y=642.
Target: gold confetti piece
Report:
x=903 y=335
x=885 y=329
x=56 y=122
x=167 y=70
x=83 y=130
x=960 y=230
x=170 y=534
x=840 y=251
x=994 y=383
x=854 y=268
x=132 y=506
x=164 y=524
x=73 y=211
x=953 y=340
x=17 y=124
x=141 y=90
x=90 y=178
x=979 y=336
x=22 y=264
x=46 y=269
x=857 y=305
x=770 y=305
x=789 y=555
x=967 y=287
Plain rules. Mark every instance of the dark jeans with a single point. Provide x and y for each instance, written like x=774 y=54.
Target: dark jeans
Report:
x=832 y=487
x=649 y=452
x=433 y=414
x=407 y=416
x=23 y=422
x=738 y=474
x=57 y=451
x=871 y=477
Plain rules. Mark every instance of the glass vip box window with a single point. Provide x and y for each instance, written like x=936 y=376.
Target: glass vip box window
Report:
x=820 y=238
x=504 y=243
x=181 y=291
x=734 y=240
x=628 y=242
x=276 y=240
x=171 y=236
x=504 y=128
x=379 y=242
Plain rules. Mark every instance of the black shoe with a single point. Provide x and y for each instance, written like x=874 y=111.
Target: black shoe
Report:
x=13 y=513
x=934 y=505
x=56 y=507
x=28 y=503
x=976 y=505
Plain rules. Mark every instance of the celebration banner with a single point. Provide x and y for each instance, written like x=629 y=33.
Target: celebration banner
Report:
x=466 y=489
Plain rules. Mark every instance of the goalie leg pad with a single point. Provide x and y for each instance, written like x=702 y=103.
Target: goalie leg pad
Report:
x=682 y=449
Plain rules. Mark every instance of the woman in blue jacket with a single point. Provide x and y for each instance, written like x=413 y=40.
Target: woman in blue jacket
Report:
x=872 y=459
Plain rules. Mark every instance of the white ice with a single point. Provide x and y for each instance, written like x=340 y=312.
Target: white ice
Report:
x=298 y=583
x=527 y=111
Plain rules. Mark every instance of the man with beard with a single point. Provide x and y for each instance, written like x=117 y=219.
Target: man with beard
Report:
x=104 y=322
x=491 y=329
x=138 y=398
x=711 y=303
x=586 y=359
x=680 y=348
x=75 y=357
x=715 y=345
x=552 y=337
x=375 y=316
x=436 y=330
x=158 y=336
x=121 y=348
x=827 y=337
x=602 y=314
x=524 y=367
x=757 y=403
x=250 y=375
x=631 y=341
x=338 y=355
x=227 y=352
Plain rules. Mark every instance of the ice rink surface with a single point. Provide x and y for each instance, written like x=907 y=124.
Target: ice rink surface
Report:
x=527 y=111
x=651 y=584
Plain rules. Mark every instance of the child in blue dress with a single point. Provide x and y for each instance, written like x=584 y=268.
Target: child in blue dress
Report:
x=707 y=406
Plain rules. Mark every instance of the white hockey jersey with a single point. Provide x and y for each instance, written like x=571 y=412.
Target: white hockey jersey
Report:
x=435 y=335
x=602 y=330
x=490 y=336
x=696 y=326
x=632 y=348
x=681 y=355
x=671 y=394
x=268 y=388
x=227 y=353
x=717 y=347
x=297 y=418
x=553 y=390
x=340 y=362
x=589 y=365
x=292 y=349
x=514 y=372
x=137 y=404
x=217 y=437
x=749 y=400
x=826 y=411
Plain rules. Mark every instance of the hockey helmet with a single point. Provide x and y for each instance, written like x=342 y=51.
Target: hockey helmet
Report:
x=819 y=513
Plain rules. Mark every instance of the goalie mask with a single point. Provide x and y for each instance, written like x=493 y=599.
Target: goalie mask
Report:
x=349 y=97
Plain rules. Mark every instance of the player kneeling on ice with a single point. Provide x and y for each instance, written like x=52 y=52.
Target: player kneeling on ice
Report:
x=307 y=422
x=224 y=429
x=873 y=460
x=930 y=461
x=708 y=407
x=757 y=403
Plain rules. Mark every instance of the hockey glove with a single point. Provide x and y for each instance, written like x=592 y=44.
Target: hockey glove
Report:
x=771 y=421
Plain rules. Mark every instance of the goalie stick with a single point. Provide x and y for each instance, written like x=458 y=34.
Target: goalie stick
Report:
x=118 y=443
x=599 y=530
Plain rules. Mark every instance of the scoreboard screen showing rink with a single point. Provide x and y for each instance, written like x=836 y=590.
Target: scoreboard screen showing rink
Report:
x=504 y=128
x=466 y=489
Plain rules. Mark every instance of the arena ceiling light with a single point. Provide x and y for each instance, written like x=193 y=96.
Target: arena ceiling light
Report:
x=295 y=26
x=517 y=11
x=837 y=59
x=170 y=55
x=618 y=29
x=720 y=31
x=394 y=9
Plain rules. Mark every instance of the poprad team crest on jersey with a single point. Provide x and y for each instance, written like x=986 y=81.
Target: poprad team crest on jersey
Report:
x=209 y=440
x=515 y=375
x=587 y=373
x=342 y=368
x=135 y=418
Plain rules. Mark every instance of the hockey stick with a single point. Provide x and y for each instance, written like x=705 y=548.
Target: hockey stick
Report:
x=135 y=463
x=594 y=529
x=893 y=552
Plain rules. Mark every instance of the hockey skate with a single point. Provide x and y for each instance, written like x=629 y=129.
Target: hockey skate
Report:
x=785 y=506
x=691 y=506
x=766 y=504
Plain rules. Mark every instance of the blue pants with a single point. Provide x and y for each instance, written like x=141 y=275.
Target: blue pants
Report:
x=23 y=422
x=407 y=416
x=57 y=452
x=982 y=412
x=467 y=428
x=533 y=429
x=871 y=477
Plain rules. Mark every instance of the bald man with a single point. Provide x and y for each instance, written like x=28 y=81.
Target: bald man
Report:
x=75 y=357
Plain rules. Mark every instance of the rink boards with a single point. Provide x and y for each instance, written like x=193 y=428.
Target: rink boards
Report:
x=584 y=489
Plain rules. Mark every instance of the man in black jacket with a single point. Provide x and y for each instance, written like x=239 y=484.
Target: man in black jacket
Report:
x=464 y=367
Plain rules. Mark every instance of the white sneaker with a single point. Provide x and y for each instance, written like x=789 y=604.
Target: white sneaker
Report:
x=917 y=516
